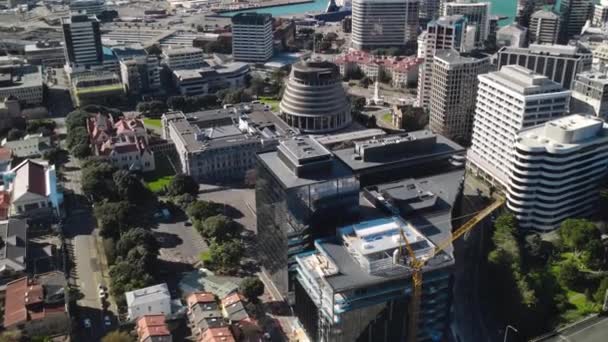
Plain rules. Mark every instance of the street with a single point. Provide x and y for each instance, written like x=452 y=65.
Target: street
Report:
x=592 y=330
x=79 y=229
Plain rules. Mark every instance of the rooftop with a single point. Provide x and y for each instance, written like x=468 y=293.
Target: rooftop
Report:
x=523 y=80
x=565 y=133
x=543 y=14
x=251 y=18
x=26 y=76
x=409 y=148
x=152 y=326
x=572 y=51
x=147 y=294
x=454 y=57
x=13 y=239
x=30 y=177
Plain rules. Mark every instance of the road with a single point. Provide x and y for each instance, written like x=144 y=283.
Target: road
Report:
x=592 y=330
x=79 y=229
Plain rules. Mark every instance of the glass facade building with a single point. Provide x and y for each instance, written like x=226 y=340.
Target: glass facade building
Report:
x=300 y=197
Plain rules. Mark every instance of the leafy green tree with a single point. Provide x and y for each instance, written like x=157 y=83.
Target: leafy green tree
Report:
x=414 y=118
x=184 y=201
x=365 y=82
x=252 y=288
x=569 y=274
x=600 y=293
x=77 y=135
x=53 y=155
x=201 y=210
x=576 y=234
x=131 y=188
x=77 y=118
x=383 y=76
x=114 y=218
x=154 y=49
x=182 y=184
x=152 y=108
x=594 y=255
x=126 y=277
x=226 y=256
x=15 y=134
x=97 y=181
x=117 y=336
x=257 y=86
x=137 y=237
x=36 y=126
x=218 y=227
x=11 y=336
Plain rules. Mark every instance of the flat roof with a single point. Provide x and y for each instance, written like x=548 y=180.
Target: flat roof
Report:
x=435 y=225
x=442 y=147
x=288 y=179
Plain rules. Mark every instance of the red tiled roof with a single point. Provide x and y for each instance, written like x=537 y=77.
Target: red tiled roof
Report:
x=232 y=298
x=222 y=334
x=5 y=203
x=200 y=297
x=14 y=306
x=152 y=325
x=5 y=153
x=36 y=177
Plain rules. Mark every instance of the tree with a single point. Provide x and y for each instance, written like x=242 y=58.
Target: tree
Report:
x=184 y=200
x=413 y=118
x=77 y=118
x=569 y=274
x=383 y=76
x=15 y=134
x=358 y=103
x=114 y=218
x=218 y=228
x=11 y=336
x=576 y=234
x=365 y=82
x=252 y=288
x=600 y=293
x=97 y=182
x=126 y=277
x=137 y=237
x=53 y=155
x=152 y=108
x=331 y=36
x=81 y=151
x=76 y=136
x=201 y=210
x=226 y=256
x=155 y=50
x=129 y=187
x=117 y=336
x=257 y=86
x=182 y=184
x=41 y=126
x=234 y=96
x=325 y=45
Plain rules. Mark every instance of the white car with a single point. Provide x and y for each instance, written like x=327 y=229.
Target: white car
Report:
x=107 y=321
x=87 y=323
x=102 y=294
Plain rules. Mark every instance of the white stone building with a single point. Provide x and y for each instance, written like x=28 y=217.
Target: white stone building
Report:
x=556 y=171
x=508 y=101
x=151 y=300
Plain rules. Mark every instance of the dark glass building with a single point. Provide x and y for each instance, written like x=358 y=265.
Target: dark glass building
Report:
x=302 y=193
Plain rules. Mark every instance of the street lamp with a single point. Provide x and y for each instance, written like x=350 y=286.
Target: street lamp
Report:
x=507 y=331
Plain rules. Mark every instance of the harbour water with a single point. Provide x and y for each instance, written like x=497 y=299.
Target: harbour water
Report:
x=499 y=7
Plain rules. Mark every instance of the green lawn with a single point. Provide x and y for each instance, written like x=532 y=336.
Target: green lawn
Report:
x=162 y=176
x=388 y=118
x=273 y=103
x=152 y=123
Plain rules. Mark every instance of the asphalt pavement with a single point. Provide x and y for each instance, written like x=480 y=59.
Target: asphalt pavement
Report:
x=591 y=330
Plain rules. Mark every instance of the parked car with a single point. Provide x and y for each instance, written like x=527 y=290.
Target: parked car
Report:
x=87 y=323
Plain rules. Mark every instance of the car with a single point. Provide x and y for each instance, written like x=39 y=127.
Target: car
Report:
x=188 y=224
x=102 y=294
x=87 y=323
x=107 y=321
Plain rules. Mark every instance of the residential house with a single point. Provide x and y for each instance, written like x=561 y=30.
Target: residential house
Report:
x=124 y=142
x=32 y=145
x=152 y=300
x=33 y=190
x=13 y=250
x=152 y=328
x=204 y=312
x=6 y=161
x=36 y=306
x=402 y=71
x=245 y=327
x=222 y=334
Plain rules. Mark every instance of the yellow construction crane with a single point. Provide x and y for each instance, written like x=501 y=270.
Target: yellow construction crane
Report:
x=417 y=264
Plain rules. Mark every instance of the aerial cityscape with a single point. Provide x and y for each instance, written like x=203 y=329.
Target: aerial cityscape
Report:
x=304 y=170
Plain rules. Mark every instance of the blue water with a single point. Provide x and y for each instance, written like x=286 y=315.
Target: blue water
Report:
x=499 y=7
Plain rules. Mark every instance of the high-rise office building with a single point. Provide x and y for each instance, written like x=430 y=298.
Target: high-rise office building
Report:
x=556 y=171
x=508 y=101
x=82 y=41
x=525 y=8
x=453 y=90
x=600 y=14
x=560 y=63
x=476 y=13
x=302 y=193
x=590 y=94
x=90 y=7
x=512 y=35
x=544 y=27
x=444 y=33
x=574 y=14
x=252 y=37
x=384 y=23
x=429 y=10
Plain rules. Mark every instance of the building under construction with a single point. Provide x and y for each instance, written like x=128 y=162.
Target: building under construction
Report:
x=357 y=286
